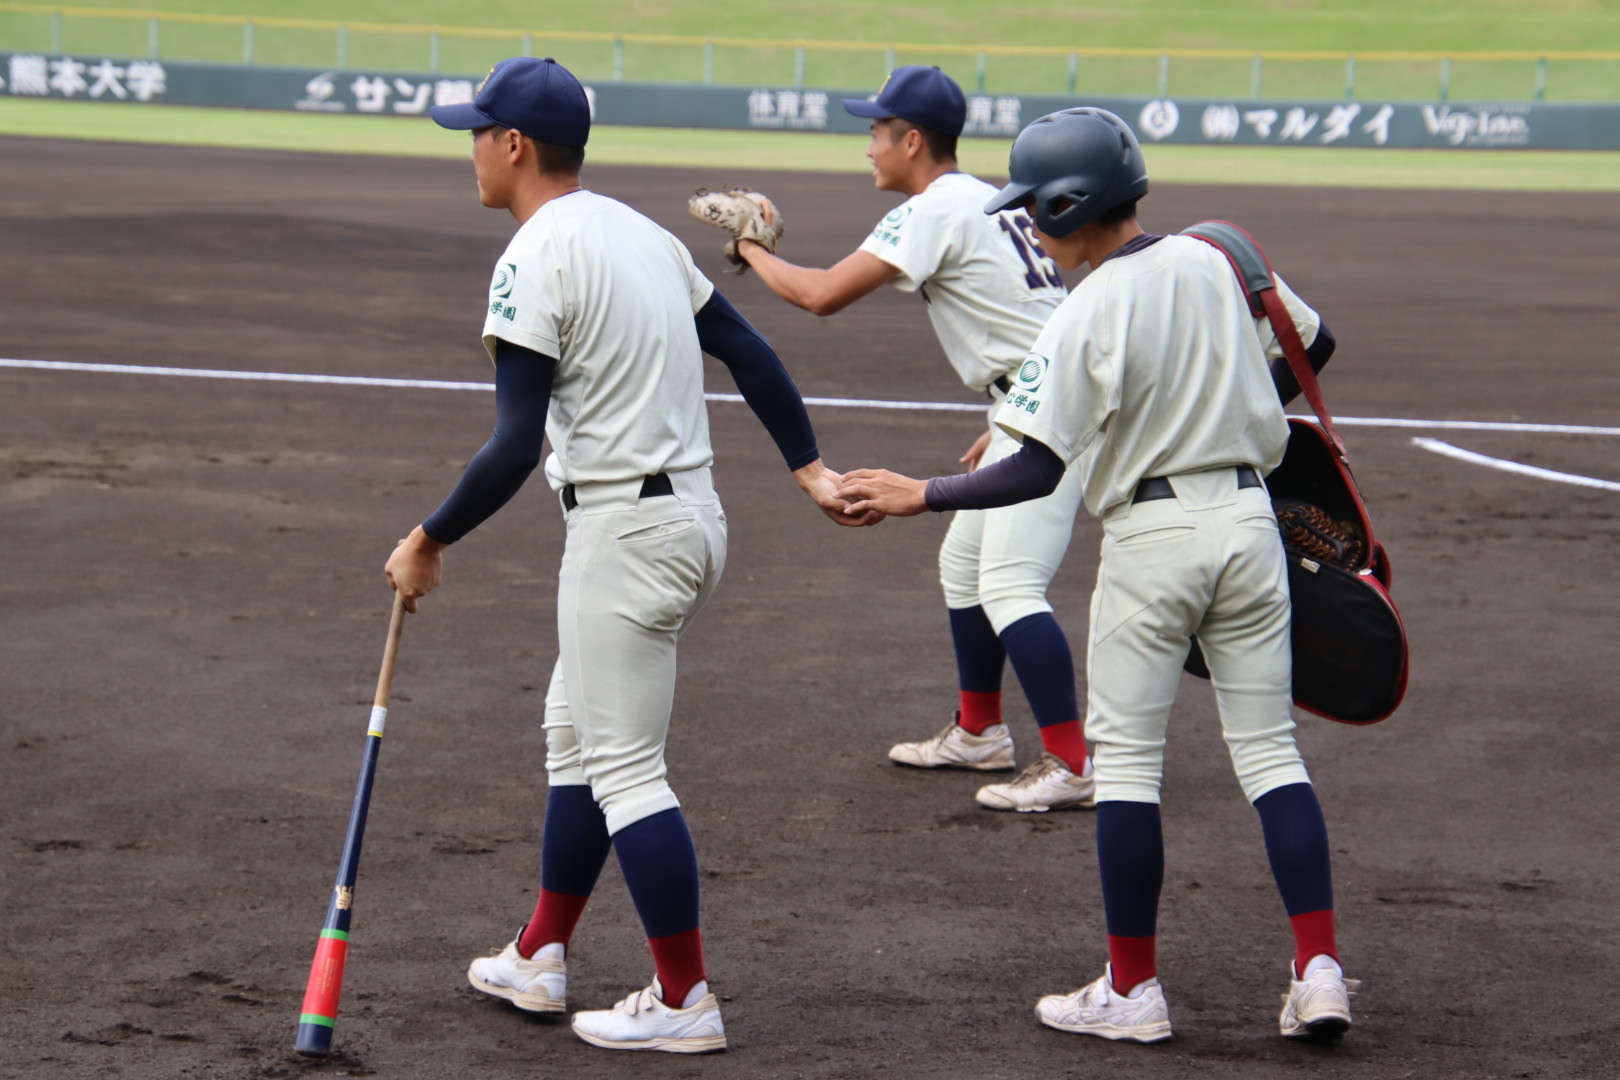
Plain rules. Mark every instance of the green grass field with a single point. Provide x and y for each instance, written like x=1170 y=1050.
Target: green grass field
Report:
x=1360 y=25
x=850 y=43
x=725 y=152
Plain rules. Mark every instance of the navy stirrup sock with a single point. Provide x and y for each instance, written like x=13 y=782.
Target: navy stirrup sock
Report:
x=573 y=849
x=661 y=870
x=979 y=653
x=1040 y=655
x=1297 y=845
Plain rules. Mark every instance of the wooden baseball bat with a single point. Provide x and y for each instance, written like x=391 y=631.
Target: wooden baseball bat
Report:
x=319 y=1013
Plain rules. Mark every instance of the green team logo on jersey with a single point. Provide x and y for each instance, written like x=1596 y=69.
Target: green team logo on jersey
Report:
x=887 y=230
x=505 y=278
x=1032 y=373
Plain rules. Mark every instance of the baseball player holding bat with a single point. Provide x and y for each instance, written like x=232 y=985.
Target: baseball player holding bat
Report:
x=989 y=288
x=596 y=322
x=1153 y=377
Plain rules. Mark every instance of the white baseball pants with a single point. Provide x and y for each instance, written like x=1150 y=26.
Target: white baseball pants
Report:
x=1004 y=559
x=635 y=572
x=1207 y=562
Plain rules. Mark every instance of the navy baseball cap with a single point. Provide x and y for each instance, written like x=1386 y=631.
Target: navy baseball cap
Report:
x=924 y=95
x=540 y=98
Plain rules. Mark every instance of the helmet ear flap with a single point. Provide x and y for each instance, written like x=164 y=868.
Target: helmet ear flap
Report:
x=1062 y=213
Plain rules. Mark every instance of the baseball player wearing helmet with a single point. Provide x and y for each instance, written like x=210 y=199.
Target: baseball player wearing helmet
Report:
x=989 y=288
x=1153 y=377
x=596 y=323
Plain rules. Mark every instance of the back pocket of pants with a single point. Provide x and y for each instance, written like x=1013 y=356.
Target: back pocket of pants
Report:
x=650 y=531
x=1156 y=534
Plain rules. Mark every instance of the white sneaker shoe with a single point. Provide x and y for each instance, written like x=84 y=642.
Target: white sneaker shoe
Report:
x=1097 y=1009
x=534 y=985
x=1317 y=1006
x=1046 y=785
x=956 y=748
x=643 y=1022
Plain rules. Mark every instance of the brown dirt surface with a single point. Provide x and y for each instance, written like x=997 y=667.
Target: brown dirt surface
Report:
x=193 y=613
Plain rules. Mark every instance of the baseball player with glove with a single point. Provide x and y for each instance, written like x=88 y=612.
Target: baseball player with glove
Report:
x=1153 y=377
x=989 y=288
x=597 y=321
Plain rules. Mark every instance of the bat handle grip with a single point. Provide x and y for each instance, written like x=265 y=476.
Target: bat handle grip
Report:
x=385 y=677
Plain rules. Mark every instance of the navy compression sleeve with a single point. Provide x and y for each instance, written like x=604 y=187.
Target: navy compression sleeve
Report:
x=764 y=383
x=522 y=395
x=1031 y=473
x=1318 y=353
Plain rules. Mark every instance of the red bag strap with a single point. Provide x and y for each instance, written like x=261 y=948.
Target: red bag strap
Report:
x=1259 y=285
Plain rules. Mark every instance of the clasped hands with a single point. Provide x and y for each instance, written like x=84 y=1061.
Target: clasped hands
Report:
x=863 y=496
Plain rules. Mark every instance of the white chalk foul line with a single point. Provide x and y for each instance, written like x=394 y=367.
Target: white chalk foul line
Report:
x=1435 y=446
x=844 y=403
x=248 y=376
x=425 y=384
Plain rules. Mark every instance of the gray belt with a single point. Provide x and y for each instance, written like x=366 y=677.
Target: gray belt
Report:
x=1158 y=487
x=651 y=487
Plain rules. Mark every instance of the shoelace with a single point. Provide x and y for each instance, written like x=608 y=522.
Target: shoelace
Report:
x=1036 y=773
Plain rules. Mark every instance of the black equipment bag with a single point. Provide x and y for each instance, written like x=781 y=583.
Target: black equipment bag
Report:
x=1350 y=650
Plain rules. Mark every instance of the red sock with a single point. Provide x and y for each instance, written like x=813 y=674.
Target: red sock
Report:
x=555 y=916
x=1134 y=960
x=1066 y=741
x=1313 y=936
x=979 y=711
x=680 y=964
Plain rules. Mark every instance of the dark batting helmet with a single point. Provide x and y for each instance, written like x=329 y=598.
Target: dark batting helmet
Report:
x=1078 y=164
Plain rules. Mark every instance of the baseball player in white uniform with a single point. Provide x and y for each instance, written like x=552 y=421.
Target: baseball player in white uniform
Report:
x=596 y=323
x=1153 y=377
x=989 y=288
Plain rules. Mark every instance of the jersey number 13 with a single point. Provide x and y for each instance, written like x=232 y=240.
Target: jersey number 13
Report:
x=1039 y=270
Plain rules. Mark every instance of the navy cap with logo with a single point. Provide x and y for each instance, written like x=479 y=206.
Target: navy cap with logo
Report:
x=540 y=98
x=926 y=96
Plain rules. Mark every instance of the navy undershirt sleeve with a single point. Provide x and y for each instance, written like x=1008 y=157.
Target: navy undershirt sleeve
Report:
x=1318 y=353
x=522 y=395
x=761 y=379
x=1031 y=473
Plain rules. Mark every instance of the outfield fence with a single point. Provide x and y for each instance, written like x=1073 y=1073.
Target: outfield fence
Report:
x=725 y=61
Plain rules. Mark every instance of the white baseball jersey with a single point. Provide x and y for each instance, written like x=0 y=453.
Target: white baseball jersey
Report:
x=989 y=285
x=610 y=294
x=1197 y=393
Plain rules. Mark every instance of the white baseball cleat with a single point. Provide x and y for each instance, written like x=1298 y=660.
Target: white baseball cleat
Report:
x=1098 y=1009
x=1317 y=1006
x=1046 y=785
x=957 y=748
x=537 y=985
x=643 y=1022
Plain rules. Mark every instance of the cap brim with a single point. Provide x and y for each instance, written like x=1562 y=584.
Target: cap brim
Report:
x=463 y=117
x=1008 y=197
x=869 y=109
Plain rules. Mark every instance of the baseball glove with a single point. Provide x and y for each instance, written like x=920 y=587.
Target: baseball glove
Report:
x=1310 y=530
x=744 y=213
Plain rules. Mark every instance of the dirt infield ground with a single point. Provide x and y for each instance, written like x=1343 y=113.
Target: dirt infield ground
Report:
x=192 y=612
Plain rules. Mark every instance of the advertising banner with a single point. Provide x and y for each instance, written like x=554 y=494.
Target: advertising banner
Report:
x=1182 y=121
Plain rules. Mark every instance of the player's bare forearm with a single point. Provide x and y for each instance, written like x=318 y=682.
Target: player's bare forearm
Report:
x=821 y=484
x=414 y=566
x=795 y=284
x=885 y=492
x=820 y=292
